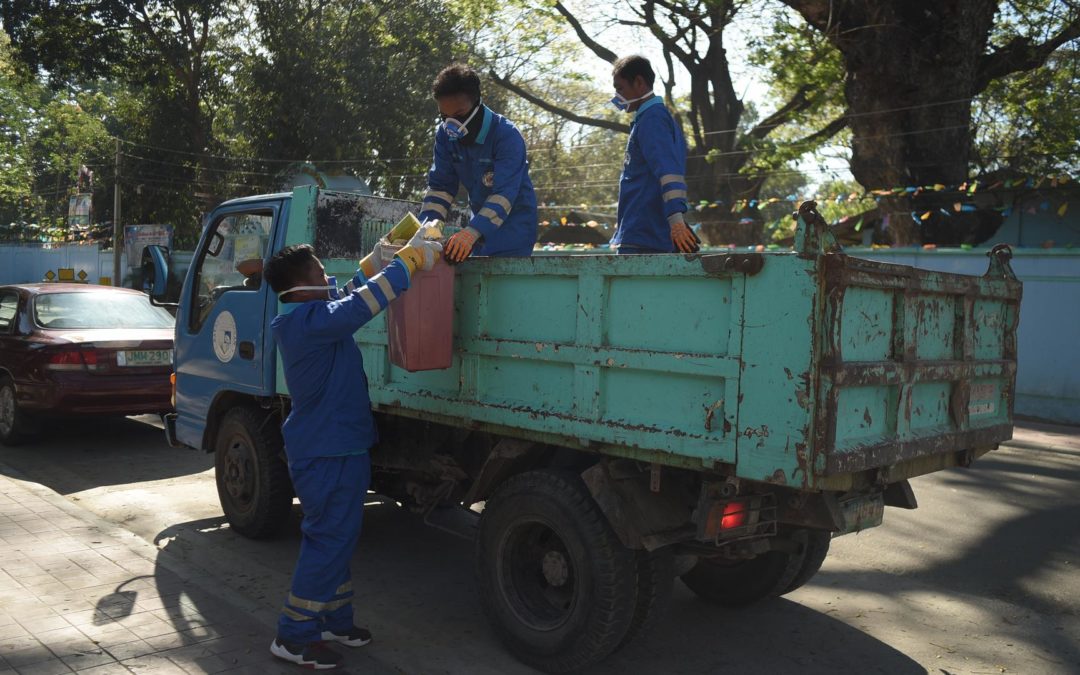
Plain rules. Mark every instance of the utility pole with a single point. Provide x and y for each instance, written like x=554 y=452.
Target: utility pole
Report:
x=116 y=220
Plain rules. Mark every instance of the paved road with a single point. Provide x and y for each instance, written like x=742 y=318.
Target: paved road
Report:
x=982 y=578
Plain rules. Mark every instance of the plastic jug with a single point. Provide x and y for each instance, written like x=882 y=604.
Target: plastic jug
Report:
x=420 y=322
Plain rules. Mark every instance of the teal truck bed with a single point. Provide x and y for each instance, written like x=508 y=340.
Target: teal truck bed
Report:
x=611 y=423
x=798 y=369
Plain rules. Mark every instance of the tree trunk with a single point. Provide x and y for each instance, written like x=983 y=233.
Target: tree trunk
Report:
x=912 y=70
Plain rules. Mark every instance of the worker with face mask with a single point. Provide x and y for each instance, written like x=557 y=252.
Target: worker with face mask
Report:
x=652 y=188
x=483 y=151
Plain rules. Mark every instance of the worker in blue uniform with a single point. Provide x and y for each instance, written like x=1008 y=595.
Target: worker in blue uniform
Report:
x=485 y=152
x=327 y=435
x=652 y=188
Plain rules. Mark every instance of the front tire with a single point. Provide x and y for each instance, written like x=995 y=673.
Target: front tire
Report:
x=555 y=581
x=15 y=425
x=252 y=479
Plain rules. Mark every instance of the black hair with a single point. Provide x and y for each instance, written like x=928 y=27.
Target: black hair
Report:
x=456 y=78
x=289 y=266
x=630 y=67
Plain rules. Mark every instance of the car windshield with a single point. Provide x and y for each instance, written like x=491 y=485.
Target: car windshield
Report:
x=98 y=310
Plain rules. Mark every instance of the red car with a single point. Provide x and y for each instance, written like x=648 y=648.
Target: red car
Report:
x=76 y=349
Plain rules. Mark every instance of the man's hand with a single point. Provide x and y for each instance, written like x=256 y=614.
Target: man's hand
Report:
x=422 y=250
x=461 y=245
x=684 y=238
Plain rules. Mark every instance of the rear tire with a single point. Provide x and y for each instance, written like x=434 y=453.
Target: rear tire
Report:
x=817 y=547
x=252 y=479
x=16 y=427
x=555 y=581
x=655 y=580
x=744 y=582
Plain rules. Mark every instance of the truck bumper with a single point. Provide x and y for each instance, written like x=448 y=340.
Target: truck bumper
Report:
x=168 y=420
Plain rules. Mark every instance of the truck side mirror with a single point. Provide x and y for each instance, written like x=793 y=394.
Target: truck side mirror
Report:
x=155 y=271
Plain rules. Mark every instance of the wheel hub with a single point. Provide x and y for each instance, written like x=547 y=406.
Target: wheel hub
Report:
x=556 y=568
x=237 y=475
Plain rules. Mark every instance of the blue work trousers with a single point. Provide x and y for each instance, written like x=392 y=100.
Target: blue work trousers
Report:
x=332 y=492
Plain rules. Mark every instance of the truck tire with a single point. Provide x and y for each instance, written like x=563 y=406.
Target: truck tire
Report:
x=740 y=583
x=816 y=548
x=655 y=580
x=555 y=581
x=252 y=480
x=15 y=426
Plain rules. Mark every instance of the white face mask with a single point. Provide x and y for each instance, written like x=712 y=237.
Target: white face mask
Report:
x=456 y=129
x=622 y=103
x=331 y=290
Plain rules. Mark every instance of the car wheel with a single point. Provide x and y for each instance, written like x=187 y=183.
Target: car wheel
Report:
x=252 y=479
x=555 y=581
x=15 y=426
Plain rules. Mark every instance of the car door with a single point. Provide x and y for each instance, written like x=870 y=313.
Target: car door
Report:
x=9 y=319
x=220 y=325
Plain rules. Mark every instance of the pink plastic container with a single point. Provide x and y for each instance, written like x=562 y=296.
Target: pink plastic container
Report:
x=420 y=323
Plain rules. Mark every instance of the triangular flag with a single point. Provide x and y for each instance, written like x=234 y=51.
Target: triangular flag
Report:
x=926 y=216
x=1064 y=207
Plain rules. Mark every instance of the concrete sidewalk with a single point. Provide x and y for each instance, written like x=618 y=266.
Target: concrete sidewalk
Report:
x=78 y=594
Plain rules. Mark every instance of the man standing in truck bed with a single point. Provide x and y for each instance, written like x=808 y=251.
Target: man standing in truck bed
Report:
x=484 y=152
x=652 y=188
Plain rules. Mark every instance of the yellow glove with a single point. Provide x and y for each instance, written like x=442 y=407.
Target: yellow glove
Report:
x=423 y=250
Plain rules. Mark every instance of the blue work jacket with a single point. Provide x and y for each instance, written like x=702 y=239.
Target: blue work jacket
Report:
x=331 y=410
x=495 y=171
x=652 y=188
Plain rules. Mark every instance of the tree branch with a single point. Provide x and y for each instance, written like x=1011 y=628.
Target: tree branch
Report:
x=586 y=39
x=827 y=132
x=795 y=104
x=550 y=107
x=1020 y=55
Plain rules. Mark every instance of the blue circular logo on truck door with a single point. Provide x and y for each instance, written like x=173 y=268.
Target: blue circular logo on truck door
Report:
x=225 y=337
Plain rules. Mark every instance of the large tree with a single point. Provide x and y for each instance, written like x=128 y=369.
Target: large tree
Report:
x=913 y=69
x=725 y=143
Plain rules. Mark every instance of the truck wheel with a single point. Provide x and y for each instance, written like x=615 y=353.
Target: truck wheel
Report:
x=15 y=426
x=816 y=548
x=555 y=581
x=738 y=583
x=252 y=481
x=655 y=579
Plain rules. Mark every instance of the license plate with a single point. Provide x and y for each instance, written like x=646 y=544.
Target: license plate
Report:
x=144 y=357
x=862 y=513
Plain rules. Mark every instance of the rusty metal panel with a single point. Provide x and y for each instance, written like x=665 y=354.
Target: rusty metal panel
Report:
x=946 y=381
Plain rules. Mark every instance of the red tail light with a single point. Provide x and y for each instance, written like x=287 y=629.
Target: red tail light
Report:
x=734 y=516
x=73 y=359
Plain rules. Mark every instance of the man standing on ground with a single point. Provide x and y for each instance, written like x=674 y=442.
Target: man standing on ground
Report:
x=652 y=188
x=484 y=152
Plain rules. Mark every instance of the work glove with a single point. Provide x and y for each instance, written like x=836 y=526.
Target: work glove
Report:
x=684 y=238
x=461 y=245
x=423 y=250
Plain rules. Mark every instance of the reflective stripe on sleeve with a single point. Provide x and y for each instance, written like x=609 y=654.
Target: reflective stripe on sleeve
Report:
x=490 y=214
x=369 y=299
x=384 y=285
x=499 y=200
x=674 y=194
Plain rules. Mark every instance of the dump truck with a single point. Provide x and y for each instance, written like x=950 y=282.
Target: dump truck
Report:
x=610 y=423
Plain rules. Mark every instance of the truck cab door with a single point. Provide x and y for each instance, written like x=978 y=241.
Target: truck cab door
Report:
x=221 y=323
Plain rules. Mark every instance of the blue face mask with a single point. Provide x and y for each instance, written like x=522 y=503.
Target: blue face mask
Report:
x=457 y=129
x=623 y=103
x=331 y=289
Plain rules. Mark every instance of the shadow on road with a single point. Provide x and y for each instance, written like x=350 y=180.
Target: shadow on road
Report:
x=415 y=591
x=82 y=454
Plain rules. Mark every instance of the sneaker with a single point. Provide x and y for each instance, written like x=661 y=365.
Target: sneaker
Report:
x=315 y=655
x=356 y=637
